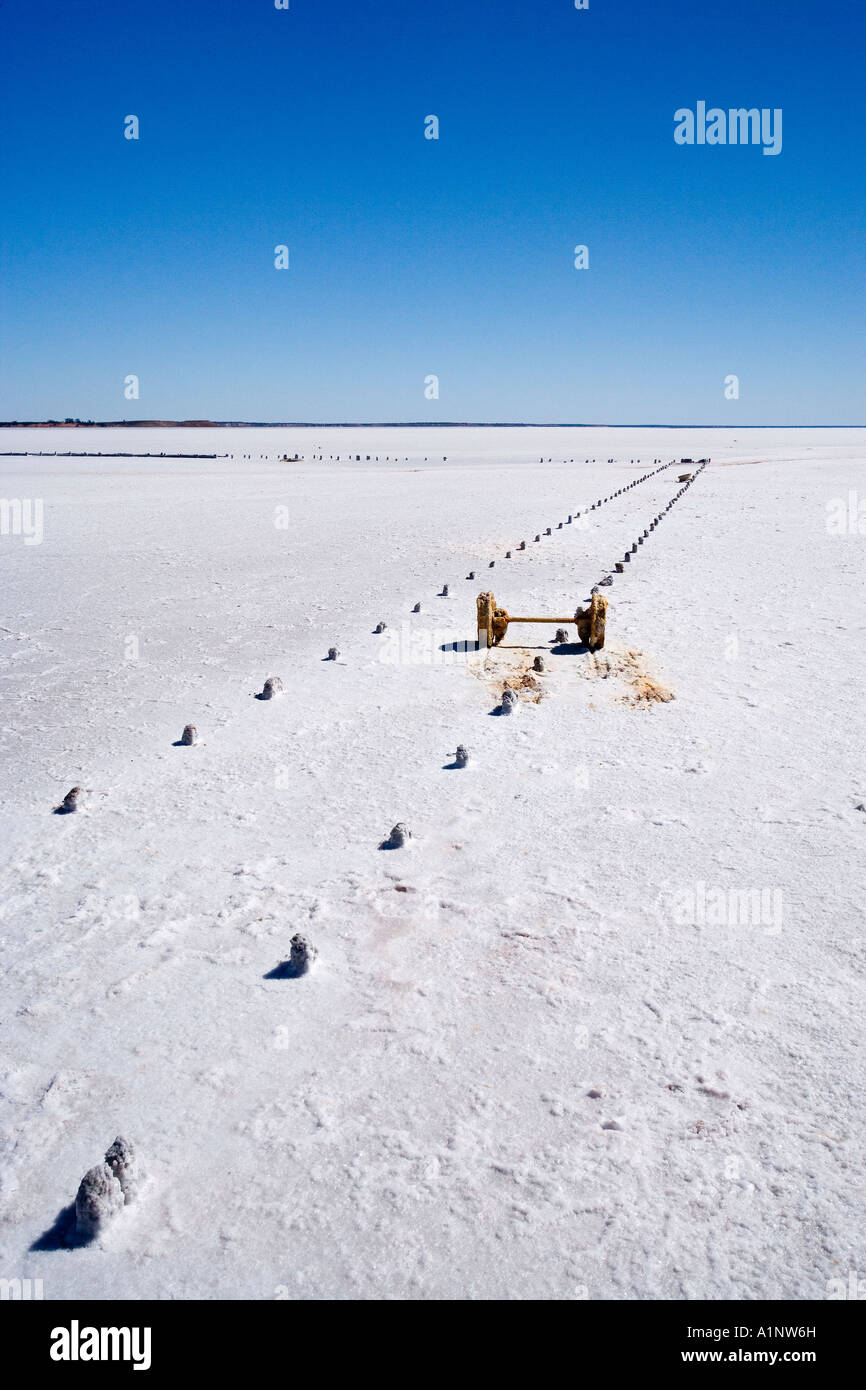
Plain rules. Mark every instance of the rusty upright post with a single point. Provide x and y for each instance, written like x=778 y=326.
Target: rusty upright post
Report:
x=485 y=604
x=590 y=622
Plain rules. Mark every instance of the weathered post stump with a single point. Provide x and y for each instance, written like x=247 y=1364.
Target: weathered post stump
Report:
x=302 y=955
x=123 y=1162
x=72 y=801
x=400 y=835
x=98 y=1200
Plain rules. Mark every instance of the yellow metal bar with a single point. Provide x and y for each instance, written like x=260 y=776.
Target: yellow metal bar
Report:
x=561 y=621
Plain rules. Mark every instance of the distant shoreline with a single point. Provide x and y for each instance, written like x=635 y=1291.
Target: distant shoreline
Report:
x=384 y=425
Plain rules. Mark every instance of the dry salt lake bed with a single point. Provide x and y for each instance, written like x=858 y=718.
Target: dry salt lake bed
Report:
x=596 y=1032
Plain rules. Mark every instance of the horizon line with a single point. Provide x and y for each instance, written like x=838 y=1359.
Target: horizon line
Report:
x=399 y=424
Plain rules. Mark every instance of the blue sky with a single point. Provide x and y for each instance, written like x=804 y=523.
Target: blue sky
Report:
x=411 y=257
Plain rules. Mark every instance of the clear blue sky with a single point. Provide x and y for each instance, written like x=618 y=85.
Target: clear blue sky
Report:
x=411 y=257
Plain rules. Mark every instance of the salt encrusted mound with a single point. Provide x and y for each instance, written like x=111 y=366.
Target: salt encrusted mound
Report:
x=509 y=701
x=272 y=686
x=99 y=1199
x=461 y=757
x=333 y=653
x=561 y=635
x=189 y=735
x=121 y=1159
x=380 y=627
x=303 y=954
x=538 y=664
